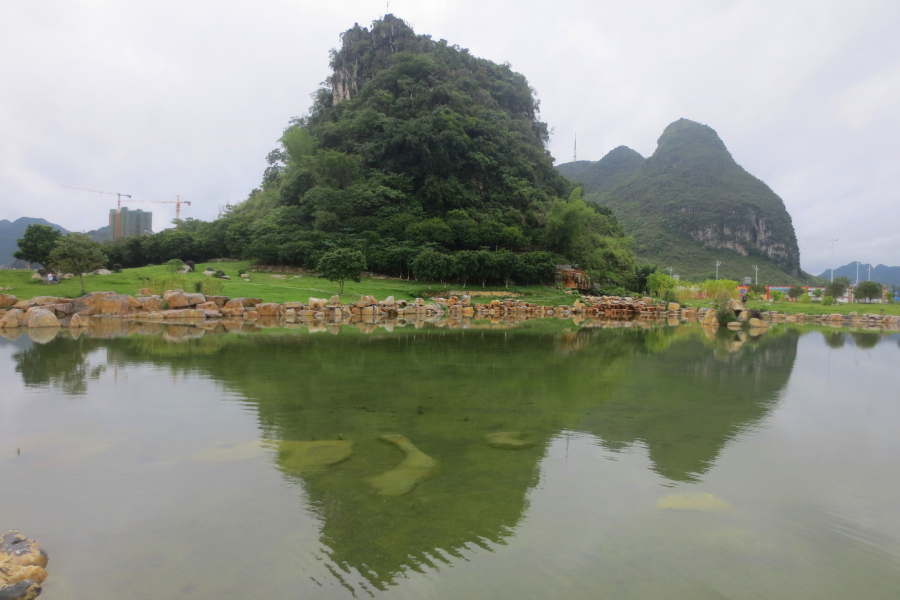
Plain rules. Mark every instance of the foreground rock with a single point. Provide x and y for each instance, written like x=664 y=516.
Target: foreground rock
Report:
x=22 y=567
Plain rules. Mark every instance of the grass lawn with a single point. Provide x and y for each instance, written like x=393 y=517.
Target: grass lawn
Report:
x=816 y=308
x=261 y=285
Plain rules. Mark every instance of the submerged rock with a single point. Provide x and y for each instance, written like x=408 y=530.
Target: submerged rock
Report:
x=509 y=440
x=22 y=567
x=696 y=501
x=415 y=468
x=312 y=457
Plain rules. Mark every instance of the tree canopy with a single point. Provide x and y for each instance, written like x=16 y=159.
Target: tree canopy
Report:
x=37 y=243
x=77 y=253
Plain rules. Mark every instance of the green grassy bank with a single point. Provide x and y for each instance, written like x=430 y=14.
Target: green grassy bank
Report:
x=263 y=285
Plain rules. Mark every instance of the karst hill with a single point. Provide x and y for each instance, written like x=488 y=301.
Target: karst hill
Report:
x=690 y=204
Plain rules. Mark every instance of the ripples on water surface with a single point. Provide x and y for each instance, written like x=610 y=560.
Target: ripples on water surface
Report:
x=653 y=464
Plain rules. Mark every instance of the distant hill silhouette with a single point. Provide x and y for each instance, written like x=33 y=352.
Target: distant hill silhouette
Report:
x=10 y=232
x=883 y=274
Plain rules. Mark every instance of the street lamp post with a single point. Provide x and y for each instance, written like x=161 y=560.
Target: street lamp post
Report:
x=832 y=258
x=718 y=263
x=757 y=273
x=857 y=273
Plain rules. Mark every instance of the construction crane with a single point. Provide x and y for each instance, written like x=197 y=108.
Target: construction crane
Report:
x=177 y=202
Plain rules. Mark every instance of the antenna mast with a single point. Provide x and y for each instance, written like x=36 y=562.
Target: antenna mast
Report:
x=575 y=153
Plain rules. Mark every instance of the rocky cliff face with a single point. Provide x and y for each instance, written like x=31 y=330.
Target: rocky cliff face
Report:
x=692 y=191
x=363 y=52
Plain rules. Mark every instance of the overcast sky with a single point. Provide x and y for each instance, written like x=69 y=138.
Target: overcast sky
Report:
x=163 y=98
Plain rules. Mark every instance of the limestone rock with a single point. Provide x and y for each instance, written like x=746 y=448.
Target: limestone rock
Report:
x=145 y=292
x=12 y=319
x=41 y=317
x=710 y=318
x=36 y=276
x=758 y=324
x=232 y=312
x=415 y=468
x=23 y=567
x=113 y=305
x=270 y=309
x=695 y=501
x=673 y=306
x=509 y=440
x=7 y=300
x=194 y=299
x=176 y=299
x=77 y=322
x=219 y=300
x=335 y=300
x=152 y=304
x=307 y=458
x=316 y=303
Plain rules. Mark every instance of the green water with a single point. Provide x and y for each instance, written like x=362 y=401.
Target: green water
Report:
x=655 y=463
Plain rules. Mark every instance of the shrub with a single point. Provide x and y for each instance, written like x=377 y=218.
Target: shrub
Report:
x=174 y=265
x=804 y=299
x=669 y=296
x=827 y=301
x=158 y=285
x=778 y=296
x=219 y=274
x=755 y=314
x=198 y=287
x=213 y=287
x=117 y=268
x=190 y=264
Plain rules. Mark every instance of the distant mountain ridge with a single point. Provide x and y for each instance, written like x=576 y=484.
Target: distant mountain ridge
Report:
x=882 y=274
x=11 y=231
x=690 y=204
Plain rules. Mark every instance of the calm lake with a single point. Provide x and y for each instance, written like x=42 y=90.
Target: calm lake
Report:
x=634 y=463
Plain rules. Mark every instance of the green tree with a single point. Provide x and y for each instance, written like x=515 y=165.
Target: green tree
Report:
x=838 y=287
x=37 y=243
x=431 y=265
x=342 y=264
x=77 y=253
x=796 y=291
x=868 y=290
x=659 y=283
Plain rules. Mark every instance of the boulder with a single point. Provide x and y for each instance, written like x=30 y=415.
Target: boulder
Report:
x=36 y=276
x=673 y=306
x=23 y=567
x=219 y=300
x=145 y=292
x=12 y=319
x=177 y=299
x=77 y=322
x=103 y=272
x=293 y=305
x=734 y=326
x=710 y=318
x=194 y=299
x=152 y=304
x=251 y=315
x=335 y=300
x=316 y=303
x=41 y=317
x=207 y=306
x=43 y=300
x=467 y=300
x=113 y=305
x=235 y=303
x=232 y=312
x=389 y=301
x=7 y=300
x=270 y=309
x=758 y=324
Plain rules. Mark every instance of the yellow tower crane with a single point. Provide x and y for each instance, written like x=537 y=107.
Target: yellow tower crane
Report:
x=177 y=202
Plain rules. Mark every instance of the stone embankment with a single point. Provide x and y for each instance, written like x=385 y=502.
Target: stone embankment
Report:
x=100 y=311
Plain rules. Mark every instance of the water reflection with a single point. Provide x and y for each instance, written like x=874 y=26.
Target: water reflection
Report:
x=679 y=392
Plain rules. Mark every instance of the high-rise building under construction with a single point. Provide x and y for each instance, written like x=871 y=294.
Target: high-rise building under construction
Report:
x=130 y=223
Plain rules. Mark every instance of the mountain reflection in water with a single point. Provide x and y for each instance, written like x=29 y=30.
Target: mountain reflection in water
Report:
x=679 y=393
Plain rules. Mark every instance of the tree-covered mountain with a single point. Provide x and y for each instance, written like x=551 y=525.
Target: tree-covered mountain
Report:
x=427 y=159
x=690 y=204
x=883 y=274
x=10 y=232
